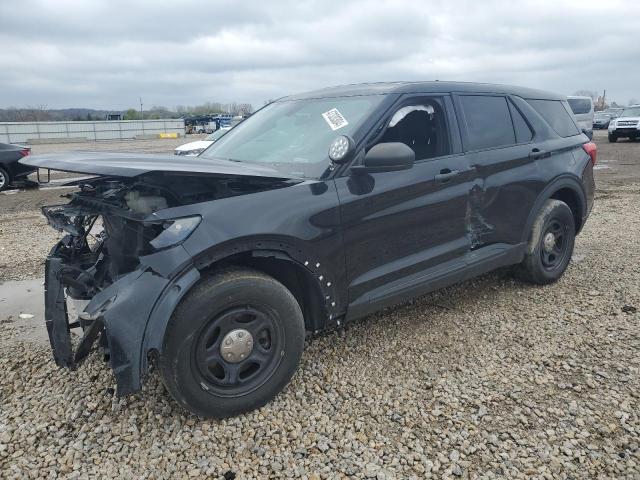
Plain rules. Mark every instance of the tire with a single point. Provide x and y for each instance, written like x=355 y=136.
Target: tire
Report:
x=5 y=179
x=612 y=138
x=212 y=379
x=546 y=261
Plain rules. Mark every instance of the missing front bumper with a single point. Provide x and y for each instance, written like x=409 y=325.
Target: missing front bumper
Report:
x=129 y=315
x=57 y=319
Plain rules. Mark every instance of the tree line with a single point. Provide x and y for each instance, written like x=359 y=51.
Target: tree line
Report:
x=40 y=113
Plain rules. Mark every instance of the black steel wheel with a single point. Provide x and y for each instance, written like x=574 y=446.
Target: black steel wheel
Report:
x=554 y=246
x=238 y=350
x=550 y=244
x=232 y=344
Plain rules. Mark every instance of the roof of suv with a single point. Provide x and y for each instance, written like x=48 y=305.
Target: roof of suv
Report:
x=424 y=87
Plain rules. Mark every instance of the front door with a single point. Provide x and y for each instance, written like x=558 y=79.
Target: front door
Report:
x=400 y=226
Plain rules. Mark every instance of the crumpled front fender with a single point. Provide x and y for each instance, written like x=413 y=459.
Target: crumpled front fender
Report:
x=136 y=318
x=133 y=312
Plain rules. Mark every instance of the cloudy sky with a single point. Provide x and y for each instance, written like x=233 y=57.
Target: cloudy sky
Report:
x=105 y=54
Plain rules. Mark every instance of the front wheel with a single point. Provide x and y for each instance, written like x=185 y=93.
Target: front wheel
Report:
x=550 y=244
x=612 y=138
x=232 y=344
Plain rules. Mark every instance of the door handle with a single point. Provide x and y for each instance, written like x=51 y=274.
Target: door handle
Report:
x=445 y=175
x=537 y=153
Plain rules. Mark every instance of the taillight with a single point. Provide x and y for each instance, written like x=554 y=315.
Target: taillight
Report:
x=25 y=151
x=591 y=150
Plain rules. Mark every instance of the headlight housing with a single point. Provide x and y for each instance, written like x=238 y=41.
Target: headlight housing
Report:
x=175 y=231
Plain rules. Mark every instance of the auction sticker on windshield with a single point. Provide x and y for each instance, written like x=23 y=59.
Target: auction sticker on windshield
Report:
x=335 y=119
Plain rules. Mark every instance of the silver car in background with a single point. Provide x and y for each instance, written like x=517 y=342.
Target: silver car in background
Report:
x=601 y=121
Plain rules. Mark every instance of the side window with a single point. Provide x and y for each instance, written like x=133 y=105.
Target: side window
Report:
x=421 y=126
x=556 y=115
x=520 y=125
x=488 y=121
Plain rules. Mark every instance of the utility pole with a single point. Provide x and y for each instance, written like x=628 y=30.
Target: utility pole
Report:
x=142 y=115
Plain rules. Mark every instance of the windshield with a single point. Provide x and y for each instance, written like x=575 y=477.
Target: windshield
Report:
x=293 y=136
x=212 y=137
x=602 y=115
x=580 y=105
x=631 y=112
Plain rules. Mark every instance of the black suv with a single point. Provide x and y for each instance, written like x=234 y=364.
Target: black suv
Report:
x=317 y=210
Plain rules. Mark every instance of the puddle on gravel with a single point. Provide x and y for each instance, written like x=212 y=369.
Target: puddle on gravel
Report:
x=22 y=307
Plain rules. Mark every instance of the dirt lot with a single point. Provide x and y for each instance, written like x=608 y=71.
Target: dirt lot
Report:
x=488 y=379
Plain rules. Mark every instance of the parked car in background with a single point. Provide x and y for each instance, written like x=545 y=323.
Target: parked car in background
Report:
x=613 y=112
x=197 y=147
x=627 y=125
x=319 y=209
x=582 y=108
x=601 y=121
x=10 y=169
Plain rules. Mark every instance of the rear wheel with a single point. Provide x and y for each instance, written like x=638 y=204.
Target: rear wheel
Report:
x=4 y=179
x=550 y=244
x=612 y=138
x=232 y=344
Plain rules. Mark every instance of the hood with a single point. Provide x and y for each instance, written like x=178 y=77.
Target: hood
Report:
x=134 y=164
x=194 y=145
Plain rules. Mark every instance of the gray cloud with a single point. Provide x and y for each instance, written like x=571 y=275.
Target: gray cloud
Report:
x=105 y=54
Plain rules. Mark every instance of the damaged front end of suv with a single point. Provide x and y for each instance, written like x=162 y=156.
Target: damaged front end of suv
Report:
x=107 y=260
x=123 y=264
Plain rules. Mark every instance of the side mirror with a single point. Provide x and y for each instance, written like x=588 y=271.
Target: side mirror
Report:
x=387 y=157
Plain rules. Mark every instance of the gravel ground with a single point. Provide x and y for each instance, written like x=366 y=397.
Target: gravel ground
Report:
x=492 y=378
x=25 y=237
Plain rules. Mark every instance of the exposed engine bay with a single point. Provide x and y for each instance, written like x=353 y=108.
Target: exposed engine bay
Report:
x=110 y=221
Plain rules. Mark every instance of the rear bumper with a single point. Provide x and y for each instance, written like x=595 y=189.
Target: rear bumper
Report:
x=124 y=314
x=589 y=186
x=18 y=170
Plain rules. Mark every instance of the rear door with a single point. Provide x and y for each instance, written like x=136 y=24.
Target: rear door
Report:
x=498 y=143
x=400 y=225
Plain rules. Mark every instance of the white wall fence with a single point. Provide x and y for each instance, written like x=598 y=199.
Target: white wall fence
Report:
x=24 y=132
